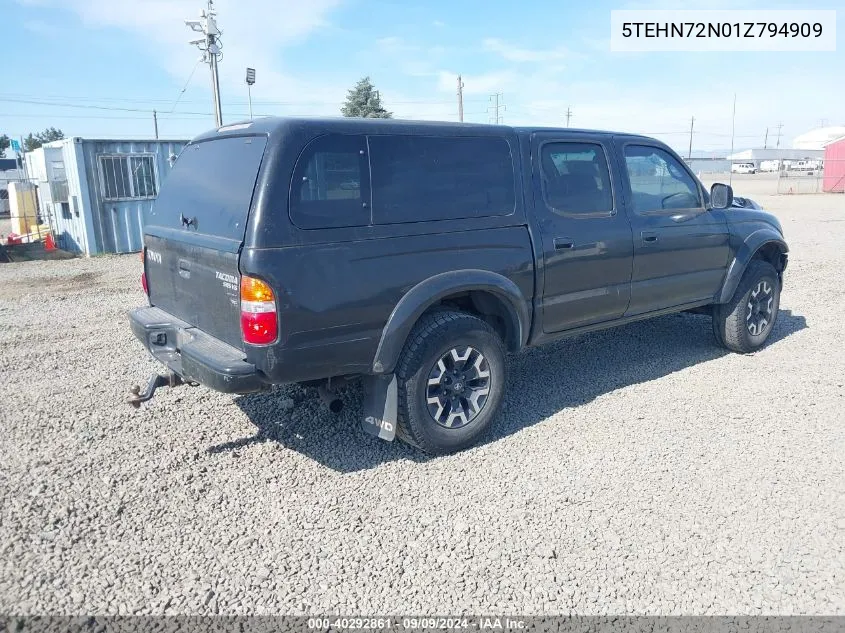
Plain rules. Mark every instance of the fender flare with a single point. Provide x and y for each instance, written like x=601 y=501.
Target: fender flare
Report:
x=428 y=292
x=753 y=243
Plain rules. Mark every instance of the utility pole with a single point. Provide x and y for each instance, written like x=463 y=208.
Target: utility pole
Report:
x=210 y=46
x=691 y=125
x=733 y=132
x=22 y=156
x=460 y=100
x=211 y=33
x=766 y=140
x=155 y=123
x=496 y=107
x=568 y=115
x=780 y=125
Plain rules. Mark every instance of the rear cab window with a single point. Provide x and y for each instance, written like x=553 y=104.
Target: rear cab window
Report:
x=356 y=180
x=211 y=183
x=425 y=178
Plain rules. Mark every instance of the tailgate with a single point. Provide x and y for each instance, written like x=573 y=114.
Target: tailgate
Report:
x=195 y=230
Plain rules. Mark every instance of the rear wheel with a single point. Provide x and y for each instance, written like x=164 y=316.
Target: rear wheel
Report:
x=744 y=324
x=451 y=377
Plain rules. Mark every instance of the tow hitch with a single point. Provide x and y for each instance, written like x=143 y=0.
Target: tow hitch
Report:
x=171 y=379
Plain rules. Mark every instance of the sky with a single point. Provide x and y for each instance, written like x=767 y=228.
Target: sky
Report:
x=98 y=68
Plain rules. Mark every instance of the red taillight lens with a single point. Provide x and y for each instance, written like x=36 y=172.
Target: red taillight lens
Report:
x=259 y=325
x=144 y=274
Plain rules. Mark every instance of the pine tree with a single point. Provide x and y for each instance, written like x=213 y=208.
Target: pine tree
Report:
x=34 y=141
x=364 y=101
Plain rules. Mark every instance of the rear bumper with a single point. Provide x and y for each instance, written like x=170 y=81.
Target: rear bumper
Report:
x=193 y=354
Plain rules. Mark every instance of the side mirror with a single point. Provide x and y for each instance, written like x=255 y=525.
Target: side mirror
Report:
x=721 y=196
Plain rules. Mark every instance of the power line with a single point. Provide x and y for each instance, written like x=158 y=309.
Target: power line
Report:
x=568 y=114
x=136 y=100
x=185 y=87
x=86 y=106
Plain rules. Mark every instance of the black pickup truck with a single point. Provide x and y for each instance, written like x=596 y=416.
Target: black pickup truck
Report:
x=414 y=255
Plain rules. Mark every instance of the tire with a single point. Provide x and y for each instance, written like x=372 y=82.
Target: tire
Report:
x=466 y=358
x=743 y=324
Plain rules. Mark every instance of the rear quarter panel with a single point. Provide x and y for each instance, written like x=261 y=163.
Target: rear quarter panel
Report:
x=335 y=299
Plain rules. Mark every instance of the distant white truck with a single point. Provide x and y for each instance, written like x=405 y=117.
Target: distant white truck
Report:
x=744 y=168
x=805 y=165
x=769 y=165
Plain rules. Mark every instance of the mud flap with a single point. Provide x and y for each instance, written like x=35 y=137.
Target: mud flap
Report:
x=381 y=403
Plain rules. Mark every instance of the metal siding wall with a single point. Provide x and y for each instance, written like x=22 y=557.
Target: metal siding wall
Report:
x=119 y=224
x=73 y=235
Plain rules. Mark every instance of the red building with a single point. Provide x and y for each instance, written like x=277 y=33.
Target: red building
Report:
x=834 y=166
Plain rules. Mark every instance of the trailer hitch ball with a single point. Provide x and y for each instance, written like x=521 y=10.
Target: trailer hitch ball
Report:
x=134 y=396
x=171 y=379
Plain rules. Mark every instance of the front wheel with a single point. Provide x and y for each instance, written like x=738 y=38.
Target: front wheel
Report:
x=744 y=324
x=451 y=378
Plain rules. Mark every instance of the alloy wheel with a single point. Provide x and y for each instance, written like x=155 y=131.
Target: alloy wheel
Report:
x=458 y=387
x=758 y=315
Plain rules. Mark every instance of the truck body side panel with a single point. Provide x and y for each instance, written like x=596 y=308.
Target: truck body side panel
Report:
x=334 y=300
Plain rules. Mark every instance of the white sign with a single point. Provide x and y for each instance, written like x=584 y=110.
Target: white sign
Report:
x=722 y=30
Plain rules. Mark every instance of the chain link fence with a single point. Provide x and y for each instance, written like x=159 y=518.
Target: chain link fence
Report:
x=812 y=177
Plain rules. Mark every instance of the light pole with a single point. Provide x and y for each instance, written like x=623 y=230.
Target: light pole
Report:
x=210 y=46
x=250 y=80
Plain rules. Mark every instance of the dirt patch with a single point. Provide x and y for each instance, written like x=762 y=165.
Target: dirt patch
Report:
x=51 y=284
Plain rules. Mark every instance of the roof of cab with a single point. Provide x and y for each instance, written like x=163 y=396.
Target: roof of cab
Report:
x=279 y=125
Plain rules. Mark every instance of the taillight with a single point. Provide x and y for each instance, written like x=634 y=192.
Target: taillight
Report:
x=144 y=273
x=259 y=325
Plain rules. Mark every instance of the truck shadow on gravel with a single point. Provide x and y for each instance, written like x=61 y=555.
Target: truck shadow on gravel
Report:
x=542 y=382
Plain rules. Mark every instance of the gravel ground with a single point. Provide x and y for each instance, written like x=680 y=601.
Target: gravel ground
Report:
x=638 y=470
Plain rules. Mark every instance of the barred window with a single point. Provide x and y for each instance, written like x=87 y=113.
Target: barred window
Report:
x=128 y=177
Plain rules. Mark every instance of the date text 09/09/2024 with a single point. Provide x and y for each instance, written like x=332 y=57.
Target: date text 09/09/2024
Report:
x=459 y=623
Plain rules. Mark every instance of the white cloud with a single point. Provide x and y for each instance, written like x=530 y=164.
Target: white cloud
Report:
x=516 y=54
x=392 y=44
x=254 y=33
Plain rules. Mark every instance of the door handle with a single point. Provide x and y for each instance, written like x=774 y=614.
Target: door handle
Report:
x=563 y=243
x=649 y=238
x=184 y=268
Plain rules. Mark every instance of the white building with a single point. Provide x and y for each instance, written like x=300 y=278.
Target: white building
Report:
x=818 y=138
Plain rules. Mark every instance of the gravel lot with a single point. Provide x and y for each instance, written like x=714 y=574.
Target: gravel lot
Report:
x=639 y=470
